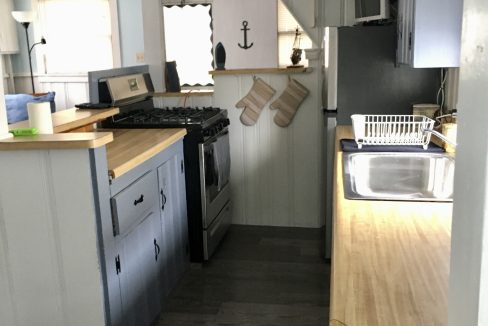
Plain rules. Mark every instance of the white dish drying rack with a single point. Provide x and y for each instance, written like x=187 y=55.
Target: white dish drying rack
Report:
x=378 y=129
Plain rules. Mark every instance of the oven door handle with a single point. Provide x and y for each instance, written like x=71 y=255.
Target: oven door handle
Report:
x=214 y=138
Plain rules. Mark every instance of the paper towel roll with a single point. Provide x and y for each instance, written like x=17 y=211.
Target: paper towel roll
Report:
x=40 y=117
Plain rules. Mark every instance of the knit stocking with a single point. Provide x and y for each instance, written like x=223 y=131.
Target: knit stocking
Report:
x=254 y=101
x=288 y=102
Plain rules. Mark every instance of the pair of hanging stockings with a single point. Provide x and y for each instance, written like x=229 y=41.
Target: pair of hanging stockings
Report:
x=287 y=103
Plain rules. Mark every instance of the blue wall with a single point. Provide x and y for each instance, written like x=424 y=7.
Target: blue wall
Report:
x=131 y=31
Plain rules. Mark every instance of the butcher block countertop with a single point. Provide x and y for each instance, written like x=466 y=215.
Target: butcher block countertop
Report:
x=126 y=148
x=132 y=147
x=76 y=140
x=63 y=122
x=71 y=119
x=390 y=259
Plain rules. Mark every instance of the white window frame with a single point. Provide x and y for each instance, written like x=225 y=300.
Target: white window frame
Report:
x=75 y=77
x=291 y=33
x=183 y=2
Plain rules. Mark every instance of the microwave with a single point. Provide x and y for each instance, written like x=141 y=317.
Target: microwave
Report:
x=367 y=10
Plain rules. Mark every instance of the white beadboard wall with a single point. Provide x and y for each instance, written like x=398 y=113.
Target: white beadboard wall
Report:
x=70 y=90
x=49 y=264
x=276 y=172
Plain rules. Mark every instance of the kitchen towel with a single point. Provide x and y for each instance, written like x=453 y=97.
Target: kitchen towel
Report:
x=288 y=102
x=221 y=157
x=253 y=103
x=40 y=117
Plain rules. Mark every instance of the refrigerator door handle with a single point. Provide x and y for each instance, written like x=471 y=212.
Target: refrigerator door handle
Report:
x=329 y=113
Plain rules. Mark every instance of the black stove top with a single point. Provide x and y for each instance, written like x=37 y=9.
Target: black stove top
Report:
x=169 y=117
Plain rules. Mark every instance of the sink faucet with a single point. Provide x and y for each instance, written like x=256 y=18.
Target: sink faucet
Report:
x=439 y=135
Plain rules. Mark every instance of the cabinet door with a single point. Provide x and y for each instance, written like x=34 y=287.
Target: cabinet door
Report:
x=138 y=274
x=168 y=270
x=181 y=212
x=429 y=33
x=401 y=33
x=405 y=23
x=437 y=33
x=338 y=13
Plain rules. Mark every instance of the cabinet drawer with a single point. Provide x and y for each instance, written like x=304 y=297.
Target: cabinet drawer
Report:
x=131 y=204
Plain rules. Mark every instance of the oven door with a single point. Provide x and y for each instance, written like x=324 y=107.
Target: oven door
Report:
x=214 y=175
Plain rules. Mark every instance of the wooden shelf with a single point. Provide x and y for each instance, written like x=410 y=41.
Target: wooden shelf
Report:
x=261 y=71
x=185 y=93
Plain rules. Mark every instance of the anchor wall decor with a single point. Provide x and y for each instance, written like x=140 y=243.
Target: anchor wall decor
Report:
x=245 y=29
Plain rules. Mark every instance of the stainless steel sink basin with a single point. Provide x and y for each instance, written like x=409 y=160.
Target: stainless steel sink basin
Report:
x=398 y=176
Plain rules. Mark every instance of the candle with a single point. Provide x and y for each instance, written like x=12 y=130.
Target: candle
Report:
x=40 y=117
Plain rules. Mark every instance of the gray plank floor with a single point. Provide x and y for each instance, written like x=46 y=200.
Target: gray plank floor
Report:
x=258 y=276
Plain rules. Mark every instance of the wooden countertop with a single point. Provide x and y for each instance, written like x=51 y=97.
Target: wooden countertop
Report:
x=70 y=119
x=73 y=140
x=390 y=260
x=63 y=121
x=132 y=147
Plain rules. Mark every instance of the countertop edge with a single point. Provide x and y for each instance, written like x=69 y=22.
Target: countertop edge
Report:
x=147 y=154
x=82 y=140
x=101 y=115
x=72 y=118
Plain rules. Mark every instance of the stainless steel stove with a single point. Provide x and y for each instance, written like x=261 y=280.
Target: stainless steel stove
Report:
x=206 y=150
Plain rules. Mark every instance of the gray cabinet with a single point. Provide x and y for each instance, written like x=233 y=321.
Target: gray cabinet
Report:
x=137 y=231
x=150 y=236
x=336 y=13
x=174 y=222
x=429 y=33
x=138 y=269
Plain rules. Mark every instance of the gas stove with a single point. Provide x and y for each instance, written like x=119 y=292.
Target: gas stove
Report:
x=174 y=116
x=206 y=121
x=206 y=150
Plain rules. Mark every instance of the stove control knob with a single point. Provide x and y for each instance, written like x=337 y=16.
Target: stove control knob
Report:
x=210 y=132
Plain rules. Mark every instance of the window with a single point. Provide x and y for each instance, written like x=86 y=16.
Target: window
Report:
x=188 y=41
x=286 y=36
x=78 y=34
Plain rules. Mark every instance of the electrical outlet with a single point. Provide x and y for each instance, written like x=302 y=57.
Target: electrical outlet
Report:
x=140 y=57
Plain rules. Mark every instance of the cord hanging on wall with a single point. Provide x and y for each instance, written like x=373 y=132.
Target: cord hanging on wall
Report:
x=25 y=18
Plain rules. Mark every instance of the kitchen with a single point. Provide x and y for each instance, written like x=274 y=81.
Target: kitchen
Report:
x=268 y=161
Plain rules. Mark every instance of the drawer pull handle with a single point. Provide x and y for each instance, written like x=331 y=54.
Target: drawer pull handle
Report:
x=157 y=250
x=163 y=199
x=138 y=201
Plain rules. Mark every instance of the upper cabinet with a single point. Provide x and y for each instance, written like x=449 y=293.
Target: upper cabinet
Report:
x=8 y=34
x=336 y=13
x=429 y=33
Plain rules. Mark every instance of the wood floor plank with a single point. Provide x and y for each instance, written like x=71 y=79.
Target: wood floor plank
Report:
x=258 y=276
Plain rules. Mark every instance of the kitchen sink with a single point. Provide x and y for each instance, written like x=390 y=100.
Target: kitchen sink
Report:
x=398 y=176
